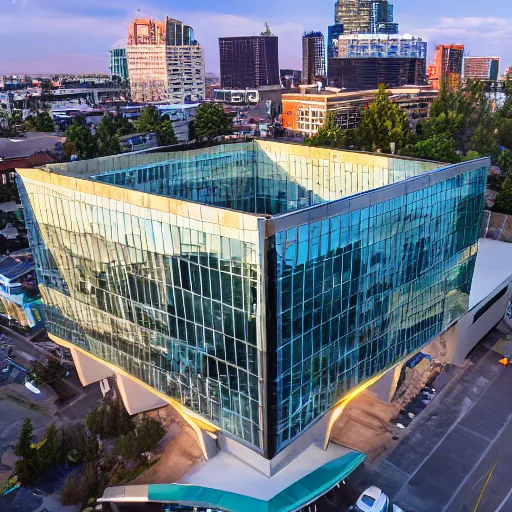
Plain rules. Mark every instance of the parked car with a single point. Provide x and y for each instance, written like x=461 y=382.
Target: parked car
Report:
x=374 y=500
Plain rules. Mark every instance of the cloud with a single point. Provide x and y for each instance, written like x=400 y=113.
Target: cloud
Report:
x=55 y=31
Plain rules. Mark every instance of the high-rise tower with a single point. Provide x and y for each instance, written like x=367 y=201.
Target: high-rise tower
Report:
x=165 y=62
x=249 y=62
x=365 y=16
x=313 y=57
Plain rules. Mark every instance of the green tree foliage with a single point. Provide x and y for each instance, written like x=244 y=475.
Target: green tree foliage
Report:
x=123 y=126
x=109 y=420
x=40 y=122
x=383 y=123
x=484 y=142
x=50 y=453
x=461 y=125
x=37 y=458
x=147 y=435
x=505 y=132
x=165 y=133
x=330 y=135
x=83 y=141
x=150 y=121
x=438 y=147
x=9 y=192
x=127 y=446
x=15 y=124
x=211 y=121
x=25 y=439
x=107 y=138
x=504 y=199
x=82 y=484
x=77 y=437
x=48 y=373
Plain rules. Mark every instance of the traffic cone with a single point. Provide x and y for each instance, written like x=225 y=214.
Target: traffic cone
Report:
x=505 y=361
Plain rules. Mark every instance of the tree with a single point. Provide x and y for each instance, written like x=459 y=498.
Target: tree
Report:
x=383 y=123
x=127 y=446
x=149 y=120
x=83 y=483
x=330 y=135
x=211 y=121
x=27 y=468
x=50 y=453
x=165 y=133
x=440 y=148
x=83 y=141
x=106 y=137
x=123 y=126
x=40 y=122
x=505 y=132
x=484 y=142
x=50 y=373
x=77 y=437
x=68 y=149
x=25 y=439
x=504 y=199
x=147 y=435
x=109 y=420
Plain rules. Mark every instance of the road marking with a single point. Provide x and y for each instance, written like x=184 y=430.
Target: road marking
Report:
x=449 y=431
x=486 y=483
x=504 y=502
x=476 y=434
x=485 y=452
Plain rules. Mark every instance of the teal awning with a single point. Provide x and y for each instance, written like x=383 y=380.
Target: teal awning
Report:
x=302 y=492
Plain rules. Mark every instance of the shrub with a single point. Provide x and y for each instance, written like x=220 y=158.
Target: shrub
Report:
x=109 y=420
x=77 y=437
x=82 y=484
x=146 y=436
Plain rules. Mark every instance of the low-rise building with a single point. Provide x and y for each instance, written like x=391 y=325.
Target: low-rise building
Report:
x=305 y=112
x=20 y=300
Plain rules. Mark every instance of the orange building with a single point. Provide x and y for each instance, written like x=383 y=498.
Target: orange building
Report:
x=305 y=112
x=447 y=66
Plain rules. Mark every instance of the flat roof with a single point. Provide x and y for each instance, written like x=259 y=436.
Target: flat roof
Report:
x=302 y=177
x=493 y=267
x=227 y=483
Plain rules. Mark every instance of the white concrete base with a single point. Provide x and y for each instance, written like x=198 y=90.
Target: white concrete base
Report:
x=136 y=398
x=89 y=371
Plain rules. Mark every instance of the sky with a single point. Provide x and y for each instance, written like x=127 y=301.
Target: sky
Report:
x=74 y=36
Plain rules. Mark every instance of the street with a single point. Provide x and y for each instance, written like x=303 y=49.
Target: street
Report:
x=460 y=442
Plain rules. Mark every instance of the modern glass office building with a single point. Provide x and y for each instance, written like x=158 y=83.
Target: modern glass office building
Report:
x=256 y=283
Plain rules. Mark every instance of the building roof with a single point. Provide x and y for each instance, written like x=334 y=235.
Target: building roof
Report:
x=30 y=144
x=227 y=483
x=387 y=175
x=493 y=267
x=11 y=269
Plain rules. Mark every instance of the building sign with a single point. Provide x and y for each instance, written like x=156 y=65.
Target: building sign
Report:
x=240 y=97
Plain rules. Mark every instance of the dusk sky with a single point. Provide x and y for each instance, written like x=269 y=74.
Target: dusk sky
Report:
x=38 y=36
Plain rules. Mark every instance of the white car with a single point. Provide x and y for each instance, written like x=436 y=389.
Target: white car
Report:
x=374 y=500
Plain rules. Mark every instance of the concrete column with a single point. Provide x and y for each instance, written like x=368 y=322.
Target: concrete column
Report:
x=89 y=370
x=136 y=398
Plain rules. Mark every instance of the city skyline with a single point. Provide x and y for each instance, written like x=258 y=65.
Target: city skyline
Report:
x=41 y=50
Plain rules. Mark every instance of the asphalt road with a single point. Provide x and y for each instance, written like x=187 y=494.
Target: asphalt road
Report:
x=463 y=439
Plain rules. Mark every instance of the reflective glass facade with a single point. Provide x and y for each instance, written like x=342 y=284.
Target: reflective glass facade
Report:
x=255 y=283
